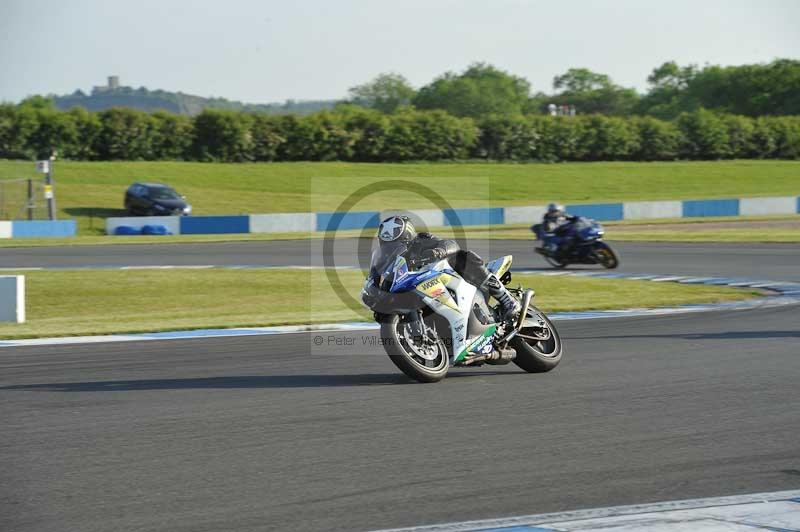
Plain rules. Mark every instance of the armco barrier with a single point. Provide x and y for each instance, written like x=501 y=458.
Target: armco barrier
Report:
x=422 y=218
x=766 y=206
x=347 y=220
x=523 y=215
x=473 y=216
x=37 y=228
x=214 y=225
x=602 y=211
x=430 y=218
x=640 y=210
x=699 y=208
x=283 y=223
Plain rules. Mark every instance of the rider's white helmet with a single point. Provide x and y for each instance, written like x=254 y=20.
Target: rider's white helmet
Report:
x=397 y=229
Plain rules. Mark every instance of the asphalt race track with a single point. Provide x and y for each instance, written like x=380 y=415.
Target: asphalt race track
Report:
x=255 y=433
x=768 y=261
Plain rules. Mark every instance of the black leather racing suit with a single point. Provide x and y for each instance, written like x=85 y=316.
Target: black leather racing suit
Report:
x=550 y=221
x=466 y=263
x=559 y=225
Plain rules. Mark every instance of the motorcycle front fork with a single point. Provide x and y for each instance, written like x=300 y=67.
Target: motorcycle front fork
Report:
x=415 y=324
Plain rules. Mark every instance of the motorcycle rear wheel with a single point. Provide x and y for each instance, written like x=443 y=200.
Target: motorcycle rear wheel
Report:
x=400 y=347
x=552 y=261
x=534 y=355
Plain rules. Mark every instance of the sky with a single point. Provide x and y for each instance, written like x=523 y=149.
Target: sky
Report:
x=261 y=51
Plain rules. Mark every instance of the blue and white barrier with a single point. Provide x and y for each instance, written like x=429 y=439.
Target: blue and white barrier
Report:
x=37 y=228
x=335 y=221
x=324 y=221
x=767 y=206
x=641 y=210
x=280 y=223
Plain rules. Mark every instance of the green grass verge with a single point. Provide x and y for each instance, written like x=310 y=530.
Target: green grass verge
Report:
x=83 y=302
x=92 y=191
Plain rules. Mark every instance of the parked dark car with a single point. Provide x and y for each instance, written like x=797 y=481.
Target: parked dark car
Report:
x=155 y=199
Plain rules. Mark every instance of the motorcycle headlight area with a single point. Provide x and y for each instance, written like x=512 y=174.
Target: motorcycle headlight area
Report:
x=387 y=279
x=370 y=294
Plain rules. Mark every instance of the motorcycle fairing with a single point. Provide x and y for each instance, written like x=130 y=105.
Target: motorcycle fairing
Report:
x=450 y=296
x=406 y=280
x=436 y=288
x=500 y=266
x=481 y=344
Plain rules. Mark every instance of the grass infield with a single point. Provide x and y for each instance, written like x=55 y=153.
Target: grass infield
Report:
x=86 y=302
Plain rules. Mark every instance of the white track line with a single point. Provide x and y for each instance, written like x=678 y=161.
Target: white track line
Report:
x=771 y=511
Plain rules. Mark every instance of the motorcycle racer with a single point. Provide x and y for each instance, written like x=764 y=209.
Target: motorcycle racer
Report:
x=555 y=216
x=424 y=248
x=556 y=221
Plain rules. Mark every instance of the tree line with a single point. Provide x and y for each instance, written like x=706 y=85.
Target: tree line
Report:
x=177 y=102
x=480 y=90
x=353 y=133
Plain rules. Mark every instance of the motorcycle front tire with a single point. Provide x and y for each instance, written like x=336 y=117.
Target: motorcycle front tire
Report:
x=414 y=367
x=605 y=255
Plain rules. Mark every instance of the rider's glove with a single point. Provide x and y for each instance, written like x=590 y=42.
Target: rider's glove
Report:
x=431 y=255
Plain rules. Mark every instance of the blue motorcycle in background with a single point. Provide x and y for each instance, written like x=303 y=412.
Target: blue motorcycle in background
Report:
x=579 y=241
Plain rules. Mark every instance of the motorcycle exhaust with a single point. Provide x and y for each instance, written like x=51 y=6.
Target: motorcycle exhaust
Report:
x=497 y=358
x=526 y=303
x=523 y=313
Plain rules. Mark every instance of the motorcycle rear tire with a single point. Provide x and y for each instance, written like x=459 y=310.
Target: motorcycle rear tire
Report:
x=532 y=358
x=555 y=263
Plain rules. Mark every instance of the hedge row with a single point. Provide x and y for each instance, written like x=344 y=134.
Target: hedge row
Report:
x=356 y=134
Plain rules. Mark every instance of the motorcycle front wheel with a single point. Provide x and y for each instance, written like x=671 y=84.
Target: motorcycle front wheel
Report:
x=605 y=255
x=423 y=359
x=538 y=348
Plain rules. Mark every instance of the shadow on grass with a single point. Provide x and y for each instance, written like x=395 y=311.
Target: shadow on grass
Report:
x=95 y=212
x=237 y=382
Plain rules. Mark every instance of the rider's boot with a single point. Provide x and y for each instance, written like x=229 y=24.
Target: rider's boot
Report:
x=510 y=306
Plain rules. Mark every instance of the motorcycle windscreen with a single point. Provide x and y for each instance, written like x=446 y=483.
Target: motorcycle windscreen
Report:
x=581 y=223
x=384 y=256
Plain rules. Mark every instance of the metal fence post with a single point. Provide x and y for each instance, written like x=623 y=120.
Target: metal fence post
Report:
x=30 y=199
x=48 y=191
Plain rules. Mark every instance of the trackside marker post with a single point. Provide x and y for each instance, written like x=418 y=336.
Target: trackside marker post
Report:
x=12 y=298
x=45 y=167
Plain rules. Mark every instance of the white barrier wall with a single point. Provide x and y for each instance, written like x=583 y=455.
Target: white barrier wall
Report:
x=765 y=206
x=524 y=215
x=5 y=229
x=280 y=223
x=421 y=218
x=633 y=210
x=12 y=298
x=172 y=223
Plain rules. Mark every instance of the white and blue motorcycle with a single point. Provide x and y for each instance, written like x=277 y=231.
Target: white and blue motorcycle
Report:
x=432 y=319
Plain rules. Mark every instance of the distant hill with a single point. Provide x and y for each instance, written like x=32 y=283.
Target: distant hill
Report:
x=115 y=95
